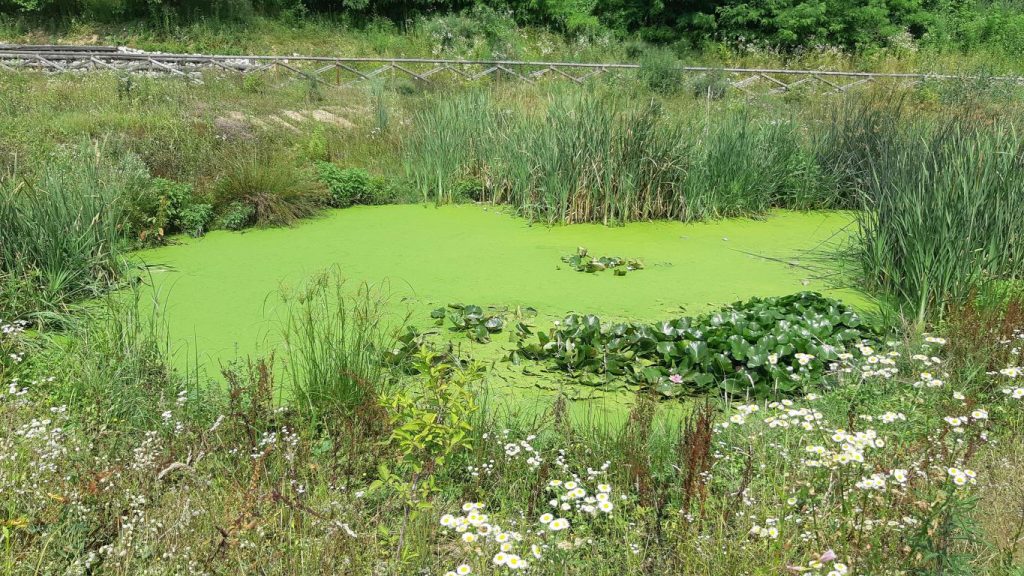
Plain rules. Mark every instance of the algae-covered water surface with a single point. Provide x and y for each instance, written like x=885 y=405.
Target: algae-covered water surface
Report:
x=219 y=292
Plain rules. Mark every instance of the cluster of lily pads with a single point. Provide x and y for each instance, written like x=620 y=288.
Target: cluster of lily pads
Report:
x=581 y=261
x=761 y=347
x=479 y=324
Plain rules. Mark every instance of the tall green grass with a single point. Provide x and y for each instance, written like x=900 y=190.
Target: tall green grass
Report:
x=600 y=157
x=334 y=340
x=61 y=232
x=943 y=212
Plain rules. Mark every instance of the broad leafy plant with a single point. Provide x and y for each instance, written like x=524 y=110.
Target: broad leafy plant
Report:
x=479 y=324
x=761 y=347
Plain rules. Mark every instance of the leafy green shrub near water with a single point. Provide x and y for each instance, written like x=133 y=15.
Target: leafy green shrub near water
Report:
x=346 y=186
x=761 y=347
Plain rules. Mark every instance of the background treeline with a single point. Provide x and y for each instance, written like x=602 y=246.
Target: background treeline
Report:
x=784 y=25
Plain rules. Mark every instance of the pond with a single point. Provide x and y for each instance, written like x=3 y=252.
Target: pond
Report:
x=219 y=293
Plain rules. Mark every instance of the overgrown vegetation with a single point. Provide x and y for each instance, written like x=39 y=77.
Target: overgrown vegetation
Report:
x=820 y=444
x=494 y=29
x=175 y=475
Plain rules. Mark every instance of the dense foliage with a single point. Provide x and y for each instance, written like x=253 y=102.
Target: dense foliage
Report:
x=761 y=347
x=786 y=24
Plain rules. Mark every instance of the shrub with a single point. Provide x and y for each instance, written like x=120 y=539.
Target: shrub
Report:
x=384 y=190
x=712 y=85
x=317 y=147
x=275 y=192
x=468 y=188
x=236 y=216
x=195 y=219
x=345 y=186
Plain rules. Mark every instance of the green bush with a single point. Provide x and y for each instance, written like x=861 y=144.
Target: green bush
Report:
x=317 y=148
x=469 y=189
x=195 y=219
x=237 y=216
x=275 y=192
x=345 y=186
x=384 y=190
x=712 y=85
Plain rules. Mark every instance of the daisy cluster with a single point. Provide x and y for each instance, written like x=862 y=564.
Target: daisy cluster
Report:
x=1015 y=389
x=11 y=349
x=571 y=503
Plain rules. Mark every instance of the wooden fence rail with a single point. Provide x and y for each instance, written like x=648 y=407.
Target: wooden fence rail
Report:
x=329 y=70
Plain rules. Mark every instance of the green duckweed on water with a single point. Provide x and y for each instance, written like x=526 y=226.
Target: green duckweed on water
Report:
x=219 y=293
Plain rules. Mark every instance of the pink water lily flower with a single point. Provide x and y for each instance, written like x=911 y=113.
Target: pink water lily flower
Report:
x=675 y=379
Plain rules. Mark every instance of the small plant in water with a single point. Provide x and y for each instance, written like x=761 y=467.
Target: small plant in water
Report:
x=581 y=261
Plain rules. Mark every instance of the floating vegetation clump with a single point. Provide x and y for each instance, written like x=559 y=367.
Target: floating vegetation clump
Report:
x=761 y=347
x=581 y=261
x=479 y=324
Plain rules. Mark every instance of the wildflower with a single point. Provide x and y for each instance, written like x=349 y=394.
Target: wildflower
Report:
x=499 y=559
x=469 y=537
x=979 y=414
x=604 y=488
x=558 y=524
x=1012 y=372
x=515 y=562
x=547 y=518
x=675 y=379
x=827 y=556
x=803 y=359
x=899 y=475
x=463 y=569
x=605 y=507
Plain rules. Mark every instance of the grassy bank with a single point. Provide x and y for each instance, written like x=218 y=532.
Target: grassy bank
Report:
x=115 y=464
